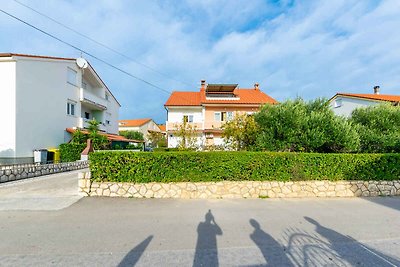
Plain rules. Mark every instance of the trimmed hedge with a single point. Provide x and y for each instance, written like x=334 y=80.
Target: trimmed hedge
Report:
x=71 y=152
x=120 y=166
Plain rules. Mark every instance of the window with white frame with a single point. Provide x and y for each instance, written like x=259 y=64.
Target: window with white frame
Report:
x=217 y=116
x=223 y=116
x=187 y=118
x=71 y=108
x=71 y=76
x=338 y=103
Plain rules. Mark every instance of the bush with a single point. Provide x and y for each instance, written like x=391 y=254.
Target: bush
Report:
x=304 y=127
x=71 y=152
x=379 y=128
x=128 y=166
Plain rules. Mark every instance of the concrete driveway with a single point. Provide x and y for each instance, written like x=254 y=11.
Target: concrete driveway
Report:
x=173 y=232
x=49 y=192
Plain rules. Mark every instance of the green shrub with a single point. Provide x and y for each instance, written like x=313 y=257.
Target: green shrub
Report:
x=136 y=167
x=71 y=152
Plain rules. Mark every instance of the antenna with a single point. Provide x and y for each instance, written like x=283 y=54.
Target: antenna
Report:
x=82 y=63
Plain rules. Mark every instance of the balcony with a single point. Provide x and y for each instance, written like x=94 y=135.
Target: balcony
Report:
x=95 y=102
x=84 y=124
x=173 y=125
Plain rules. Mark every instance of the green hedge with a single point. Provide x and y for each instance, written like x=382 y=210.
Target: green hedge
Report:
x=120 y=166
x=71 y=152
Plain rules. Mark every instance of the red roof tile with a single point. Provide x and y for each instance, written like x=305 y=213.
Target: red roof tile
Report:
x=162 y=127
x=246 y=96
x=389 y=98
x=133 y=123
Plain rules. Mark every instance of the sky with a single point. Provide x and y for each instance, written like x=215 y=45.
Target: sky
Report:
x=305 y=49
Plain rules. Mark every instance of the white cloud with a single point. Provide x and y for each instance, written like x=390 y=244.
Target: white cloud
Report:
x=292 y=48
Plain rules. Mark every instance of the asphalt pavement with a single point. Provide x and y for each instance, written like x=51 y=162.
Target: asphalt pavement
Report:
x=172 y=232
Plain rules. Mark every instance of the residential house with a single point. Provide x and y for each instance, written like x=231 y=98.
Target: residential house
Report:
x=208 y=109
x=343 y=104
x=139 y=125
x=42 y=96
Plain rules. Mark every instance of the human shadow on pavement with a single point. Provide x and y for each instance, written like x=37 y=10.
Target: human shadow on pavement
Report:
x=274 y=253
x=350 y=250
x=134 y=255
x=390 y=202
x=206 y=248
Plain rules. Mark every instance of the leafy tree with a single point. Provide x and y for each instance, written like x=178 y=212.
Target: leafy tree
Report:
x=186 y=132
x=241 y=132
x=78 y=137
x=99 y=141
x=157 y=139
x=134 y=135
x=304 y=127
x=379 y=128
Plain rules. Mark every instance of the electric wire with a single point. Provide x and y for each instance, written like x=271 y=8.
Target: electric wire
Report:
x=99 y=43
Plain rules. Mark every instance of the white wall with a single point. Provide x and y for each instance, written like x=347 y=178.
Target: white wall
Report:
x=113 y=110
x=349 y=104
x=175 y=114
x=7 y=108
x=42 y=95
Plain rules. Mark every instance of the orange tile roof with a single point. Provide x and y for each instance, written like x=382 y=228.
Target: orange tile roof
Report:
x=133 y=123
x=389 y=98
x=111 y=137
x=246 y=96
x=162 y=127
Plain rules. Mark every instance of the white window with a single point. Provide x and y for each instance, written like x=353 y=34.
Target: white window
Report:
x=71 y=108
x=338 y=103
x=188 y=118
x=229 y=115
x=217 y=116
x=71 y=76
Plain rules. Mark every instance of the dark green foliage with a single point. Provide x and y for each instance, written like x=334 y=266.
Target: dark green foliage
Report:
x=237 y=166
x=71 y=152
x=304 y=127
x=379 y=128
x=133 y=135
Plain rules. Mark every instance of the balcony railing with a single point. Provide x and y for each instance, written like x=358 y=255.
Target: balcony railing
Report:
x=173 y=125
x=84 y=124
x=92 y=100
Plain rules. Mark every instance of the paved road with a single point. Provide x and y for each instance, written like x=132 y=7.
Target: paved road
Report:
x=154 y=232
x=49 y=192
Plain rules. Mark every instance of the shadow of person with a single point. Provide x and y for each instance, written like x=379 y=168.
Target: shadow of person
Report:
x=273 y=252
x=206 y=247
x=134 y=255
x=352 y=251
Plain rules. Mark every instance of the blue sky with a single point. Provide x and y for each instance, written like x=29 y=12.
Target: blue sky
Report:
x=292 y=48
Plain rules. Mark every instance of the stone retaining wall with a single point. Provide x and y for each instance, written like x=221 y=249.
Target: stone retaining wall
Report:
x=245 y=189
x=18 y=172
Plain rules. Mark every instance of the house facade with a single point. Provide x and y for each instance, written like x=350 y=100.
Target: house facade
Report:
x=207 y=110
x=139 y=125
x=343 y=104
x=42 y=96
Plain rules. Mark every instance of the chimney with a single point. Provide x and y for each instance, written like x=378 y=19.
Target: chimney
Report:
x=377 y=90
x=256 y=86
x=203 y=85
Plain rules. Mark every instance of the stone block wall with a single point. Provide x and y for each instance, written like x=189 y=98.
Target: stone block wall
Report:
x=242 y=189
x=18 y=172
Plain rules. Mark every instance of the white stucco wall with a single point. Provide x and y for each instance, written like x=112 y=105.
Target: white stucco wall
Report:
x=175 y=114
x=7 y=108
x=344 y=106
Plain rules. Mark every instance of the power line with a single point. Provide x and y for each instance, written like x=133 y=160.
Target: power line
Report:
x=87 y=53
x=99 y=43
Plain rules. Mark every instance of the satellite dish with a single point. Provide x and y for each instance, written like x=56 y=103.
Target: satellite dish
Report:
x=82 y=63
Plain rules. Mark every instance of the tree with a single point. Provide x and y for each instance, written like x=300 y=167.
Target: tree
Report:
x=304 y=127
x=133 y=135
x=379 y=128
x=241 y=132
x=187 y=134
x=157 y=139
x=78 y=137
x=99 y=141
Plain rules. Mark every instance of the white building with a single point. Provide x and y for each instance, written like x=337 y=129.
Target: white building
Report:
x=42 y=96
x=343 y=104
x=139 y=125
